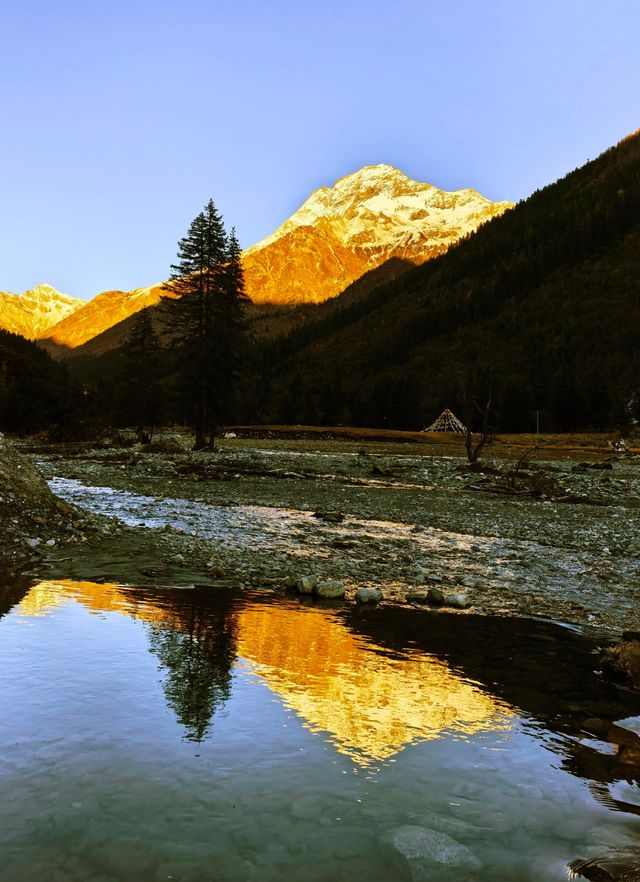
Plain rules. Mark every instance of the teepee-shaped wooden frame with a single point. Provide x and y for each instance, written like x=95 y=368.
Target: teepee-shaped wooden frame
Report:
x=446 y=422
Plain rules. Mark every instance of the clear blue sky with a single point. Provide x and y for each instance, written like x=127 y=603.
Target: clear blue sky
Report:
x=121 y=118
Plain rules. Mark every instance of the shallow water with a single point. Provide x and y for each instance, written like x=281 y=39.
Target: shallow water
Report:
x=202 y=735
x=569 y=575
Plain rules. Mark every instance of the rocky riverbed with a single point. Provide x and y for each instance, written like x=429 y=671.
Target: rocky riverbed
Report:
x=557 y=539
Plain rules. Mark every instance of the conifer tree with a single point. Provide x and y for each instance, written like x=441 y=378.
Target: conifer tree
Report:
x=142 y=386
x=205 y=320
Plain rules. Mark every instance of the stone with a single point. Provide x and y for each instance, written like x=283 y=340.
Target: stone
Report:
x=333 y=517
x=417 y=597
x=178 y=559
x=33 y=543
x=330 y=589
x=423 y=854
x=435 y=597
x=457 y=601
x=306 y=584
x=368 y=595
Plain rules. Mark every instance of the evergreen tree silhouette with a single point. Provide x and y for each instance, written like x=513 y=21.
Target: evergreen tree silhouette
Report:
x=205 y=320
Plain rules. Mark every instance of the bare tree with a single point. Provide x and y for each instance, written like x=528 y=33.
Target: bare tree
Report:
x=476 y=409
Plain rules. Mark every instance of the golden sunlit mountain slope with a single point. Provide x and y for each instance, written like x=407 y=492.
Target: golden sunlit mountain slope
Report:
x=102 y=313
x=32 y=314
x=365 y=219
x=337 y=235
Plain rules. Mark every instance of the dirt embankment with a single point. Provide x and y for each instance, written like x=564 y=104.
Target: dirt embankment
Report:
x=32 y=518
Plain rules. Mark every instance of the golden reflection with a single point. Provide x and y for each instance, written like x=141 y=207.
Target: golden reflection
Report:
x=97 y=597
x=41 y=599
x=372 y=703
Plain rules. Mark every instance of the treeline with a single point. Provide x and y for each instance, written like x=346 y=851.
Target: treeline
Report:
x=36 y=393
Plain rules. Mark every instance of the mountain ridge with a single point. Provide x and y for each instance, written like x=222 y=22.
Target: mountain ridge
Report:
x=338 y=234
x=363 y=220
x=544 y=303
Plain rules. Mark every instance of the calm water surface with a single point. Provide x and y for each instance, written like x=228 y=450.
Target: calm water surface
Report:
x=199 y=735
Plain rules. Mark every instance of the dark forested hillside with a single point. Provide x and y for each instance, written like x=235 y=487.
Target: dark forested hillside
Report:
x=541 y=304
x=36 y=393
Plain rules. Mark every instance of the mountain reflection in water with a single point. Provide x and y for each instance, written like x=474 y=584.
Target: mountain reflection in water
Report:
x=374 y=680
x=160 y=733
x=371 y=701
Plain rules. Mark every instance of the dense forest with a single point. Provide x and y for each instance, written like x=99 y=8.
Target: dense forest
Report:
x=541 y=305
x=538 y=310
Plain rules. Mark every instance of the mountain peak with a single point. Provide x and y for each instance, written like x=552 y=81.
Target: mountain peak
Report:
x=364 y=219
x=381 y=172
x=31 y=314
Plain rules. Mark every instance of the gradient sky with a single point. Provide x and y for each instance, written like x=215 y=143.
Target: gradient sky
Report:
x=121 y=118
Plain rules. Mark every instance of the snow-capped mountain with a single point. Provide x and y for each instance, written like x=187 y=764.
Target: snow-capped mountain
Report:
x=32 y=314
x=336 y=236
x=101 y=313
x=343 y=231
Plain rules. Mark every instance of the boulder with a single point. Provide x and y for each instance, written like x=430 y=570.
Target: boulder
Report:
x=368 y=595
x=423 y=855
x=435 y=597
x=457 y=601
x=417 y=596
x=306 y=584
x=330 y=589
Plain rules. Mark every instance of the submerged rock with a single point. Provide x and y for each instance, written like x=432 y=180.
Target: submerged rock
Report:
x=423 y=854
x=307 y=808
x=368 y=595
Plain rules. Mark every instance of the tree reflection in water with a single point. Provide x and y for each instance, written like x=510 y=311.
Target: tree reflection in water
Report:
x=197 y=651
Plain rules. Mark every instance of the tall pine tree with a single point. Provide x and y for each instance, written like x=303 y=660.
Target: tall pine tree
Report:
x=205 y=320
